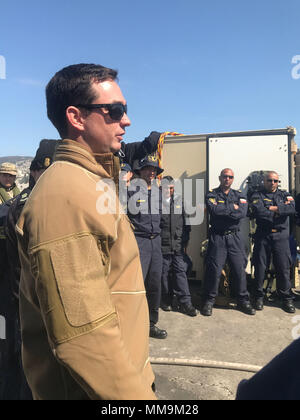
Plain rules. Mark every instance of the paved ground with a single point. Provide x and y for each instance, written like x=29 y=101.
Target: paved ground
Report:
x=227 y=336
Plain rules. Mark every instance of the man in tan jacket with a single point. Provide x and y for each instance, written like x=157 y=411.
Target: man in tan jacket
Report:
x=84 y=314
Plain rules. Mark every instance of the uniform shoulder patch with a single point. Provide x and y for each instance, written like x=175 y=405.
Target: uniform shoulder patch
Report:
x=24 y=197
x=211 y=194
x=289 y=198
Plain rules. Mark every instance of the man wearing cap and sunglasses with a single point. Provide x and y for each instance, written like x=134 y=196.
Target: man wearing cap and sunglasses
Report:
x=226 y=207
x=144 y=211
x=175 y=234
x=126 y=173
x=271 y=208
x=84 y=313
x=8 y=188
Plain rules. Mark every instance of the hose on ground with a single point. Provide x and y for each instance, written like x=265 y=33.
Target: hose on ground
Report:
x=205 y=364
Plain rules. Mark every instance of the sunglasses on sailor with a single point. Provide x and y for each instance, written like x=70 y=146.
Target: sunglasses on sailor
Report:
x=115 y=110
x=273 y=180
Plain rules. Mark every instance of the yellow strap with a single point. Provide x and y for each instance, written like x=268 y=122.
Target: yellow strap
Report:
x=161 y=145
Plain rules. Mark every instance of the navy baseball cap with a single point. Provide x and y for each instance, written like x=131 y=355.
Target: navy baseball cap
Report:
x=125 y=167
x=150 y=160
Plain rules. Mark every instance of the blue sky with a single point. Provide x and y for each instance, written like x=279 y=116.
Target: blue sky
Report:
x=189 y=66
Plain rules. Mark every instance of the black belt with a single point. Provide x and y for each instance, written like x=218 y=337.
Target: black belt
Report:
x=153 y=236
x=268 y=231
x=225 y=232
x=148 y=236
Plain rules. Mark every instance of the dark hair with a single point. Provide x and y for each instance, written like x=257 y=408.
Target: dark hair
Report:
x=70 y=86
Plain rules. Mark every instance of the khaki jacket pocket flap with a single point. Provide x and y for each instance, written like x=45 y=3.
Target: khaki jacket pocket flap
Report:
x=81 y=279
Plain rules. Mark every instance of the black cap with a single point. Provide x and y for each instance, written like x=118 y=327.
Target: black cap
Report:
x=44 y=155
x=125 y=167
x=149 y=160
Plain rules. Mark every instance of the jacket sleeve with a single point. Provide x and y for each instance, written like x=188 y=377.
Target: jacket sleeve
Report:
x=186 y=229
x=259 y=210
x=241 y=212
x=215 y=206
x=138 y=150
x=81 y=320
x=286 y=209
x=297 y=204
x=279 y=380
x=220 y=207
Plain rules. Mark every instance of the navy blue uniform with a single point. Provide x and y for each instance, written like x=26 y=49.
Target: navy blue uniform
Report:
x=278 y=381
x=175 y=237
x=272 y=237
x=15 y=385
x=137 y=150
x=144 y=211
x=225 y=242
x=8 y=386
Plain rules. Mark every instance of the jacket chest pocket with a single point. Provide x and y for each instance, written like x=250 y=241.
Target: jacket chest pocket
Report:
x=80 y=266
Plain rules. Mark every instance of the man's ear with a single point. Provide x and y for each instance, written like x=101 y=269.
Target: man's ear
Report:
x=75 y=118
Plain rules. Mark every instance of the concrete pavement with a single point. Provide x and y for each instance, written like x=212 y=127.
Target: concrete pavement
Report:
x=227 y=336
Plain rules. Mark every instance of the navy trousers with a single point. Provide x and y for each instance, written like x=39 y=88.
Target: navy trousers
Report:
x=278 y=245
x=174 y=279
x=151 y=261
x=221 y=248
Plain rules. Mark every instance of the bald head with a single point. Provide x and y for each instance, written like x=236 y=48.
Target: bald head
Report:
x=226 y=179
x=270 y=173
x=226 y=170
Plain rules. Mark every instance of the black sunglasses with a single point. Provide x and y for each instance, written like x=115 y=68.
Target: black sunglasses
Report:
x=115 y=111
x=273 y=180
x=227 y=176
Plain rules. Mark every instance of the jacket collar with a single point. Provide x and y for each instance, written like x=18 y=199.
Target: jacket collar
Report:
x=105 y=165
x=219 y=190
x=265 y=192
